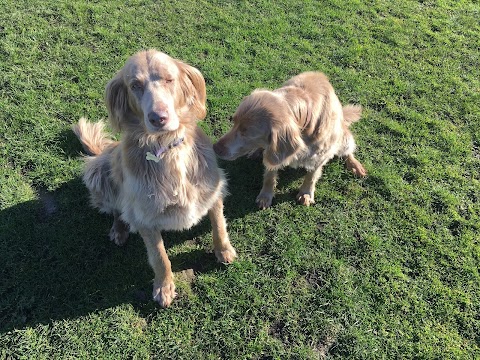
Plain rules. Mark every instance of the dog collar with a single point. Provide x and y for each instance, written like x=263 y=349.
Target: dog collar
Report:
x=159 y=154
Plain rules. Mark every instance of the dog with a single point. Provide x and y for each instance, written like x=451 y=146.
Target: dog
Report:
x=301 y=124
x=163 y=173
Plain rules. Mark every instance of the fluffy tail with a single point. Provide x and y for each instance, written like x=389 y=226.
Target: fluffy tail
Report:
x=352 y=113
x=94 y=140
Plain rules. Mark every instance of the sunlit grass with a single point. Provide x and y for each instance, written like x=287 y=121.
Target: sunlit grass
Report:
x=383 y=267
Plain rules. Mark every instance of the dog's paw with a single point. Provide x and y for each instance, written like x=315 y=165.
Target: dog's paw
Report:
x=305 y=199
x=165 y=294
x=356 y=167
x=359 y=170
x=119 y=237
x=226 y=255
x=264 y=200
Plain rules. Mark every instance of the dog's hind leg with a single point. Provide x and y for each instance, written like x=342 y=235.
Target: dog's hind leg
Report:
x=355 y=166
x=224 y=251
x=163 y=285
x=346 y=152
x=306 y=194
x=119 y=231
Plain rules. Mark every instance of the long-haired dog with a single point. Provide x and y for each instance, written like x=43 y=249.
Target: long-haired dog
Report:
x=301 y=124
x=162 y=174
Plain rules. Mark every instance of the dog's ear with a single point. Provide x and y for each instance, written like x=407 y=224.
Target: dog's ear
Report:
x=284 y=141
x=116 y=100
x=193 y=87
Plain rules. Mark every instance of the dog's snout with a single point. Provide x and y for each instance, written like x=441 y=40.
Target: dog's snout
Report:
x=158 y=118
x=219 y=148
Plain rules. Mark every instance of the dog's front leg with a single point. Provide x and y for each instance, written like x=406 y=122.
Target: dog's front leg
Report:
x=163 y=285
x=264 y=199
x=306 y=194
x=119 y=231
x=224 y=251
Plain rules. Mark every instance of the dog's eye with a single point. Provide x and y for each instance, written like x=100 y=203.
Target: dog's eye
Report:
x=168 y=81
x=136 y=86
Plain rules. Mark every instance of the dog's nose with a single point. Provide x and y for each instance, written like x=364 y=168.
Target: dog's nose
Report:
x=219 y=149
x=158 y=118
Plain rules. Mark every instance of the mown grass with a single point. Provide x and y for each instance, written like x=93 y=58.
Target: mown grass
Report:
x=380 y=268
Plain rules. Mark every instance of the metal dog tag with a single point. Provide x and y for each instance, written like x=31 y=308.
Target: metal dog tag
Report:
x=151 y=157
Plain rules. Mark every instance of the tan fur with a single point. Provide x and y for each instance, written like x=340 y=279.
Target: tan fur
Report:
x=145 y=196
x=95 y=138
x=301 y=124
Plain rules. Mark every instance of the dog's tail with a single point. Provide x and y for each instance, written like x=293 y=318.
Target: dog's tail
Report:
x=92 y=136
x=352 y=113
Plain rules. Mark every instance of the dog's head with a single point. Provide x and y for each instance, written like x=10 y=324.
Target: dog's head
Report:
x=263 y=120
x=156 y=92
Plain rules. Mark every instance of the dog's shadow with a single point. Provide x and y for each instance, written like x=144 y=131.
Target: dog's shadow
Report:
x=56 y=261
x=245 y=180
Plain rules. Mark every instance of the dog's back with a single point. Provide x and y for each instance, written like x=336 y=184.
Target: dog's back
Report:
x=322 y=106
x=322 y=101
x=313 y=82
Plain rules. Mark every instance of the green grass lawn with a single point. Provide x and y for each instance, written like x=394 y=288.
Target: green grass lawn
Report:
x=385 y=267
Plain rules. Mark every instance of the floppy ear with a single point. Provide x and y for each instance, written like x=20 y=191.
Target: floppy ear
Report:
x=193 y=87
x=116 y=100
x=284 y=141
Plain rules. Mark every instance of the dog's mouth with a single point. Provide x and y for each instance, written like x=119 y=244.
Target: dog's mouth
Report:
x=227 y=157
x=223 y=152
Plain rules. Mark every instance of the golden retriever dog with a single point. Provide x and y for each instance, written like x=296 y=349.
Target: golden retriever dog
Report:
x=162 y=174
x=301 y=124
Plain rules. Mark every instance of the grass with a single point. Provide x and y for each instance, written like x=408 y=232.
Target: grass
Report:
x=381 y=268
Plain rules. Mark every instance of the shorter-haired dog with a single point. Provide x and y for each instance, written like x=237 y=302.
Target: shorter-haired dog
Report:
x=301 y=124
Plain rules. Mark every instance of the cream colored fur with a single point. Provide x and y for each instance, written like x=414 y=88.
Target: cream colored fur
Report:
x=146 y=196
x=301 y=124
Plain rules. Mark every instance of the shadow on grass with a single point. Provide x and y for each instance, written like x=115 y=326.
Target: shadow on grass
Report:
x=56 y=261
x=245 y=180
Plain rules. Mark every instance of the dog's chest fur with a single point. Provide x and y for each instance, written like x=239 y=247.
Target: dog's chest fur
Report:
x=173 y=194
